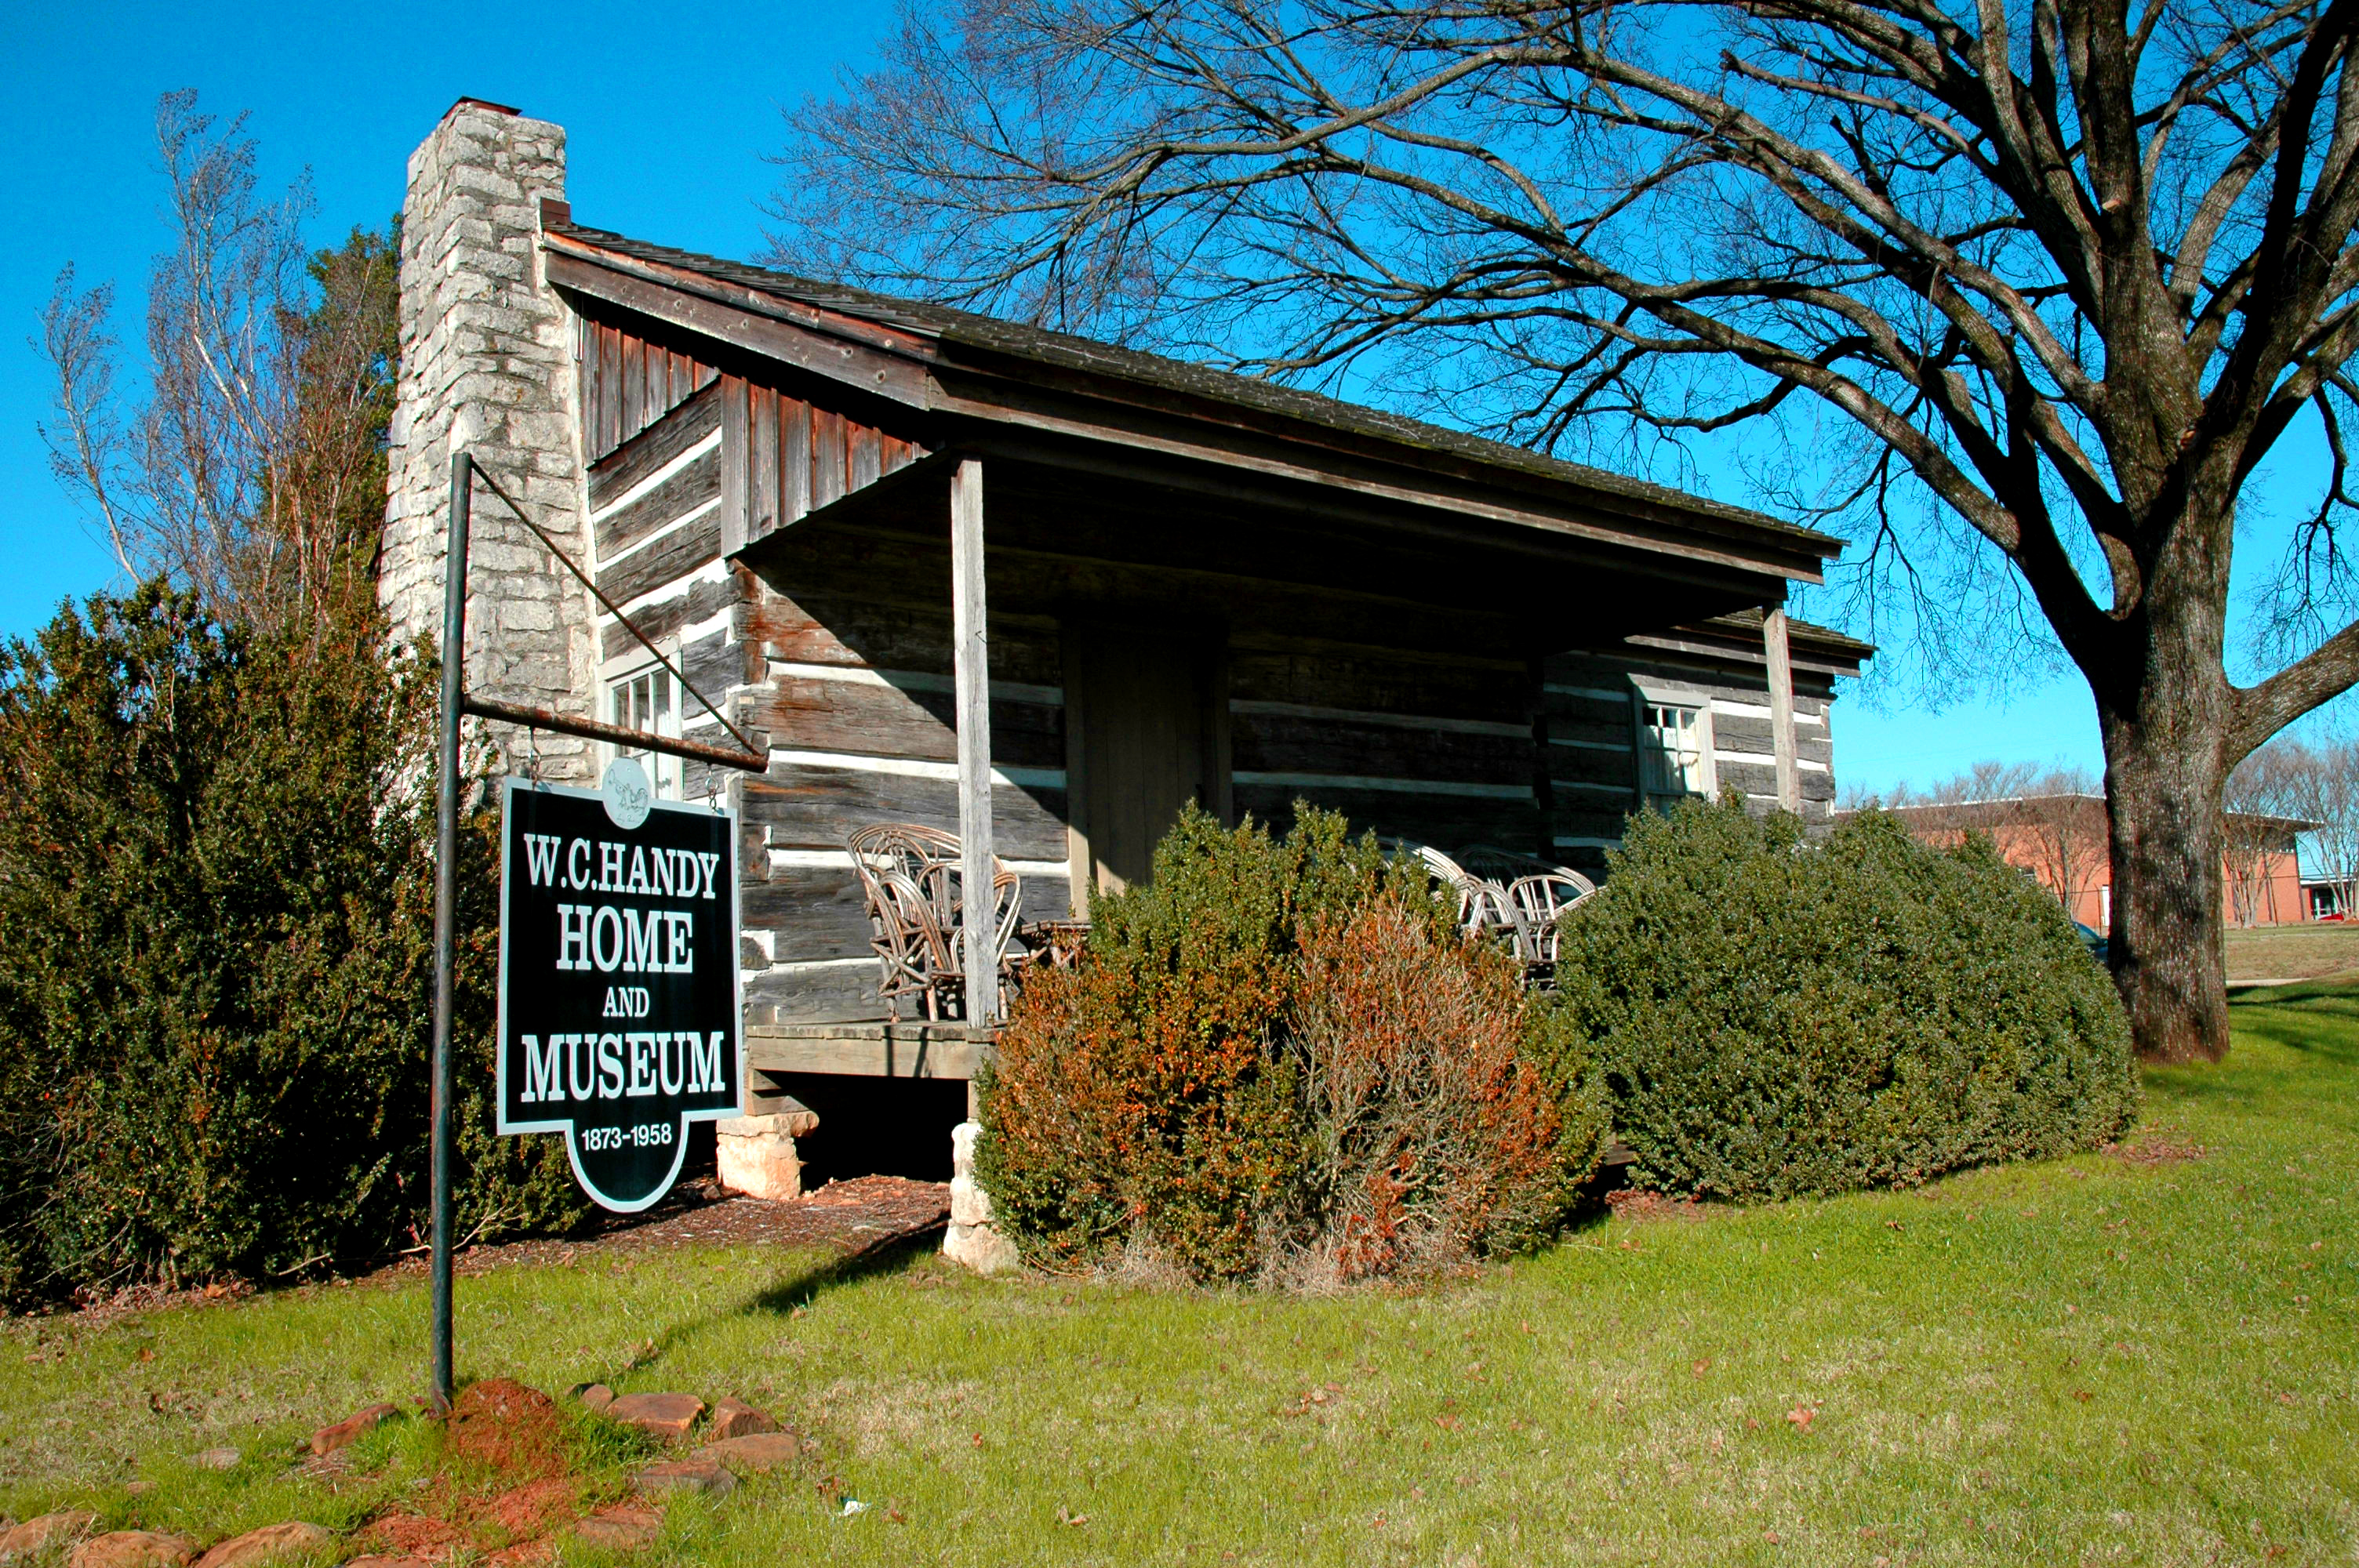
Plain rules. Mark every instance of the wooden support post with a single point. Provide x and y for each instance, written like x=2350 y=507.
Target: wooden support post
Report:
x=972 y=682
x=1782 y=707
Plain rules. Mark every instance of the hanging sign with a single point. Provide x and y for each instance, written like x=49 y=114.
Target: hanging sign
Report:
x=618 y=976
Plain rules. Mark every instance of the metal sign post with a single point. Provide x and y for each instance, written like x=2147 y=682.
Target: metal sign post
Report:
x=456 y=703
x=446 y=900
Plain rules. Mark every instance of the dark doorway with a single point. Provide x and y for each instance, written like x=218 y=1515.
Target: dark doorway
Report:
x=1145 y=731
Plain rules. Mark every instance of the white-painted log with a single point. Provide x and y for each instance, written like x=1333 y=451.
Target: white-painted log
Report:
x=1782 y=707
x=972 y=677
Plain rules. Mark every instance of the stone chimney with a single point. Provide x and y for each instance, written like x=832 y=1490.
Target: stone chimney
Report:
x=488 y=363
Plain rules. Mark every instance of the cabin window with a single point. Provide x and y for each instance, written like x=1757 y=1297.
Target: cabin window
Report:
x=648 y=699
x=1674 y=753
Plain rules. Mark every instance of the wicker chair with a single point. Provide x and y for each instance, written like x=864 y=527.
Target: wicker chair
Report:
x=1517 y=897
x=1484 y=907
x=911 y=877
x=1541 y=895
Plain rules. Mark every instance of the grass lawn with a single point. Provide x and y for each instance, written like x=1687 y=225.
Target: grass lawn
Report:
x=2092 y=1360
x=2293 y=952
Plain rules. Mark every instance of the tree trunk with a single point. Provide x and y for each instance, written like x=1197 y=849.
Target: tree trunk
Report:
x=2165 y=768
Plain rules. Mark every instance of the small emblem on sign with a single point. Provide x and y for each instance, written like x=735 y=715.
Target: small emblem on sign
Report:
x=627 y=793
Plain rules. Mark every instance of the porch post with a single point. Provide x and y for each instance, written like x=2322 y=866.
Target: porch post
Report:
x=971 y=681
x=1781 y=706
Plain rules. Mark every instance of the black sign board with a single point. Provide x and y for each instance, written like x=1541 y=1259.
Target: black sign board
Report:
x=618 y=978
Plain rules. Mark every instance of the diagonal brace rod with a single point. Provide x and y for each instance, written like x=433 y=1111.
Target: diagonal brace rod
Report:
x=755 y=759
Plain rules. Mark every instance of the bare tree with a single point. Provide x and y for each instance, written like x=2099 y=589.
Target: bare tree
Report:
x=2261 y=796
x=2068 y=271
x=2050 y=822
x=252 y=469
x=2324 y=789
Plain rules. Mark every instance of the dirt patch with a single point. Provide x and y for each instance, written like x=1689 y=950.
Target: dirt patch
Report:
x=414 y=1535
x=1643 y=1207
x=516 y=1525
x=530 y=1510
x=501 y=1426
x=504 y=1493
x=2159 y=1146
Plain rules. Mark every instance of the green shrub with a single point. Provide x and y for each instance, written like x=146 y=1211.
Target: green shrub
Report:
x=1165 y=1091
x=216 y=852
x=1775 y=1018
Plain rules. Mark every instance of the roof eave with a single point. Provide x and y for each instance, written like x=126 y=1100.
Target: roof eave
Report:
x=1730 y=537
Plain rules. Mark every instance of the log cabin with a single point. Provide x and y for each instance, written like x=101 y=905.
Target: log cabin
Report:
x=1037 y=590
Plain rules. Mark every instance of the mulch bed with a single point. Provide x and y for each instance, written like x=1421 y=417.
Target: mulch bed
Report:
x=862 y=1215
x=851 y=1217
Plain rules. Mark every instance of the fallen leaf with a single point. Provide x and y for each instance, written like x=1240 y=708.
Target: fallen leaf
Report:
x=1064 y=1518
x=1772 y=1537
x=1703 y=1365
x=1801 y=1416
x=2084 y=1395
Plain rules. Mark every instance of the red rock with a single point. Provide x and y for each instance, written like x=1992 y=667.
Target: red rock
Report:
x=617 y=1529
x=133 y=1549
x=592 y=1396
x=667 y=1416
x=271 y=1542
x=328 y=1439
x=697 y=1472
x=736 y=1418
x=43 y=1532
x=756 y=1455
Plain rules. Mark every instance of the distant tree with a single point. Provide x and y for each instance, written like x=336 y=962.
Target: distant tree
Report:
x=2251 y=828
x=2068 y=271
x=2320 y=784
x=251 y=465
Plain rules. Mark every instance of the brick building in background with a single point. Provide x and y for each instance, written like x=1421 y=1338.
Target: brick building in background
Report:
x=2061 y=839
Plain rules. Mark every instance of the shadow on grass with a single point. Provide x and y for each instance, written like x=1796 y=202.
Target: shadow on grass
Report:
x=886 y=1258
x=2315 y=1018
x=800 y=1288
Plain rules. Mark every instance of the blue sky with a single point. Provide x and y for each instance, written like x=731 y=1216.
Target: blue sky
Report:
x=668 y=116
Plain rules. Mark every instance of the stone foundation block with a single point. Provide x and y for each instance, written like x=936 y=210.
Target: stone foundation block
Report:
x=973 y=1238
x=757 y=1154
